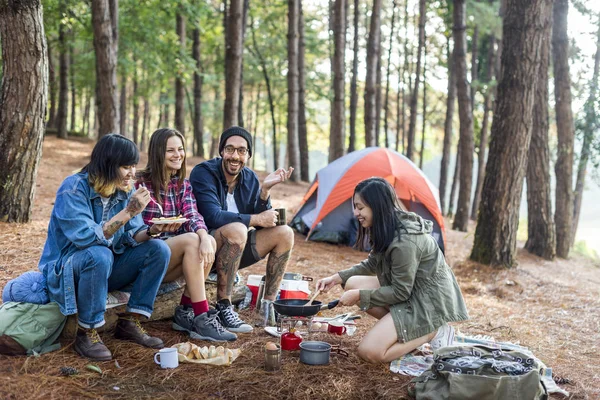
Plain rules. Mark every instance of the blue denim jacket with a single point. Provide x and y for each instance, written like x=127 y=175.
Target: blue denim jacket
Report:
x=76 y=224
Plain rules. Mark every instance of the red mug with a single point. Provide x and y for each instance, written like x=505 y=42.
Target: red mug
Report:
x=290 y=341
x=337 y=328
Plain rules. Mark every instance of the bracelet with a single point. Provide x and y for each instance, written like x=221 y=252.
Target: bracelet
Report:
x=152 y=235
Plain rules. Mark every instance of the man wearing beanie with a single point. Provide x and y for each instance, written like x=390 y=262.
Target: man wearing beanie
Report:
x=237 y=210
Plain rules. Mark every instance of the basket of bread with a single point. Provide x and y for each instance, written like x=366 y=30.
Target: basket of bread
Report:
x=210 y=355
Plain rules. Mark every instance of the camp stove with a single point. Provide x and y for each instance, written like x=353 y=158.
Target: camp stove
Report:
x=286 y=323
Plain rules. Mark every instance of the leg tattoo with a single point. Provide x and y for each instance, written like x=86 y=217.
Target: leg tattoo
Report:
x=275 y=269
x=227 y=263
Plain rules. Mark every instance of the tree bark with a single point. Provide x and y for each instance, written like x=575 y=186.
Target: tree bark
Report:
x=424 y=120
x=373 y=44
x=63 y=91
x=179 y=84
x=563 y=214
x=302 y=133
x=292 y=81
x=474 y=65
x=145 y=125
x=73 y=91
x=447 y=146
x=387 y=79
x=353 y=83
x=53 y=89
x=455 y=181
x=136 y=107
x=589 y=130
x=405 y=72
x=498 y=220
x=23 y=100
x=198 y=81
x=123 y=106
x=337 y=134
x=465 y=113
x=412 y=125
x=105 y=49
x=233 y=63
x=241 y=91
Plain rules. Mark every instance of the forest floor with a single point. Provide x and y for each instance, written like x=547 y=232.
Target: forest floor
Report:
x=553 y=308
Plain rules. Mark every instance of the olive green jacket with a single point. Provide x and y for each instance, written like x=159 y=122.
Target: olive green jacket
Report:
x=417 y=285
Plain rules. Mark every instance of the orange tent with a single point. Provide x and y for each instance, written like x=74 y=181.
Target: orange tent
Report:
x=326 y=211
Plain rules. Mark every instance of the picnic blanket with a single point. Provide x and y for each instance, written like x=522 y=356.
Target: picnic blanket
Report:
x=420 y=360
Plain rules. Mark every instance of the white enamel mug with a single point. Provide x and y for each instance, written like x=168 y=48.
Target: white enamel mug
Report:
x=167 y=358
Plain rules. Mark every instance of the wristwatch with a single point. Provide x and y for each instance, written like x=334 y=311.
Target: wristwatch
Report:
x=152 y=235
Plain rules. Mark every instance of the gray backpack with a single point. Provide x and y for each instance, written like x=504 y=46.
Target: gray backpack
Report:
x=480 y=373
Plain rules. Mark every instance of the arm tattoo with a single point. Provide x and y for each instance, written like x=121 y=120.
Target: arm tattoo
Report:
x=227 y=263
x=134 y=207
x=275 y=269
x=112 y=228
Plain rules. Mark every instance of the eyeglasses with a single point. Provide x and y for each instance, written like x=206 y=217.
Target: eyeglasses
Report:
x=242 y=151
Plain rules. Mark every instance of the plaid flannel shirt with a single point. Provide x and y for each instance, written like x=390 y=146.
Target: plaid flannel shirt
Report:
x=175 y=203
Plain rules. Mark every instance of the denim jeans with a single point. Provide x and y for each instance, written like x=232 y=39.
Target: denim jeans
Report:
x=97 y=270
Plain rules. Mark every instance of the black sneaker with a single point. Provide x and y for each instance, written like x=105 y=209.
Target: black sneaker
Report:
x=231 y=321
x=205 y=326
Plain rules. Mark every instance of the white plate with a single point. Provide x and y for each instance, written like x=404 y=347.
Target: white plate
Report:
x=168 y=221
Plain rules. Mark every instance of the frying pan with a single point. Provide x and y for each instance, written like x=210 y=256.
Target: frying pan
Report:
x=297 y=308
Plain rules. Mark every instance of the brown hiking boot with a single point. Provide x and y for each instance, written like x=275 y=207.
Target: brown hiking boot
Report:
x=131 y=329
x=88 y=344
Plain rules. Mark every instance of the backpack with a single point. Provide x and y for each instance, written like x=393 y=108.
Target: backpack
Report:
x=32 y=329
x=480 y=373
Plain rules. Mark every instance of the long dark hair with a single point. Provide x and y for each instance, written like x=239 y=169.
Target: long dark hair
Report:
x=381 y=197
x=110 y=153
x=156 y=169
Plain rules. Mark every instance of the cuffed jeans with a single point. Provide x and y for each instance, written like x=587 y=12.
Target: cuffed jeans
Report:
x=97 y=270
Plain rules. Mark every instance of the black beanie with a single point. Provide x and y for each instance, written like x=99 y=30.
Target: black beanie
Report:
x=235 y=131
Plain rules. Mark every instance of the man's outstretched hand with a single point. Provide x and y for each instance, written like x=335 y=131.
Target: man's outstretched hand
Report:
x=276 y=177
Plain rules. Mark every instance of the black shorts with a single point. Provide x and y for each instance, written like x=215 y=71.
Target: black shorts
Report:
x=250 y=255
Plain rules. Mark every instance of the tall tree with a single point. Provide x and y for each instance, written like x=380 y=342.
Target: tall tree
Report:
x=63 y=91
x=72 y=83
x=233 y=63
x=353 y=82
x=104 y=21
x=565 y=130
x=474 y=65
x=123 y=105
x=292 y=81
x=179 y=84
x=461 y=219
x=245 y=9
x=523 y=33
x=136 y=106
x=337 y=132
x=373 y=45
x=198 y=80
x=23 y=100
x=387 y=79
x=589 y=129
x=424 y=119
x=412 y=125
x=447 y=146
x=302 y=133
x=540 y=225
x=52 y=90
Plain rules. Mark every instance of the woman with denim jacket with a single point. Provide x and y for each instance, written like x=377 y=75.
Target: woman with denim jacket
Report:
x=97 y=242
x=192 y=248
x=405 y=282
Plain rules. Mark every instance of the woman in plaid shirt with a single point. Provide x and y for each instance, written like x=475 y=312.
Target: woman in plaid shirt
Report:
x=192 y=248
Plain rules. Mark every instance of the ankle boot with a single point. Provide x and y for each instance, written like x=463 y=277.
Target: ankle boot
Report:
x=88 y=344
x=129 y=328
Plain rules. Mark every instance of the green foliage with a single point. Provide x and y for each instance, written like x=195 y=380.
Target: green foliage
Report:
x=581 y=248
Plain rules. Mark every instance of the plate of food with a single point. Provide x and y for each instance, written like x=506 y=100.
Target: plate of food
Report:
x=171 y=220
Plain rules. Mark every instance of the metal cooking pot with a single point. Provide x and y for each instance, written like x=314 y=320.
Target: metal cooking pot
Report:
x=317 y=353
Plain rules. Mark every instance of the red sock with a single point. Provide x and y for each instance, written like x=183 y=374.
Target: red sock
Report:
x=185 y=301
x=200 y=307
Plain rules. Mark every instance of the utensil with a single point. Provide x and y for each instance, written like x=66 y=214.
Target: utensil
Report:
x=317 y=353
x=314 y=296
x=154 y=201
x=298 y=307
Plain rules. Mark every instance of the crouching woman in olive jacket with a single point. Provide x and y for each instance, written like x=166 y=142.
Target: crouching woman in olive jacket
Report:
x=405 y=282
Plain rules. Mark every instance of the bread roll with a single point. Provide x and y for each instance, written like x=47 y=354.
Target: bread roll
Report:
x=220 y=351
x=184 y=348
x=197 y=353
x=212 y=352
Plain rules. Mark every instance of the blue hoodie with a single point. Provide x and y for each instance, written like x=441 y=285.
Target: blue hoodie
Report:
x=210 y=188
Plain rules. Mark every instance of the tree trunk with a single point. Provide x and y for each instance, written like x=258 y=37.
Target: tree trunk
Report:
x=589 y=130
x=373 y=45
x=86 y=114
x=563 y=214
x=474 y=65
x=540 y=225
x=23 y=100
x=73 y=91
x=405 y=72
x=337 y=134
x=387 y=80
x=461 y=219
x=302 y=133
x=123 y=106
x=105 y=49
x=136 y=107
x=292 y=81
x=412 y=125
x=52 y=92
x=378 y=99
x=241 y=91
x=455 y=181
x=447 y=146
x=198 y=81
x=145 y=125
x=179 y=84
x=63 y=91
x=233 y=63
x=353 y=83
x=496 y=233
x=422 y=152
